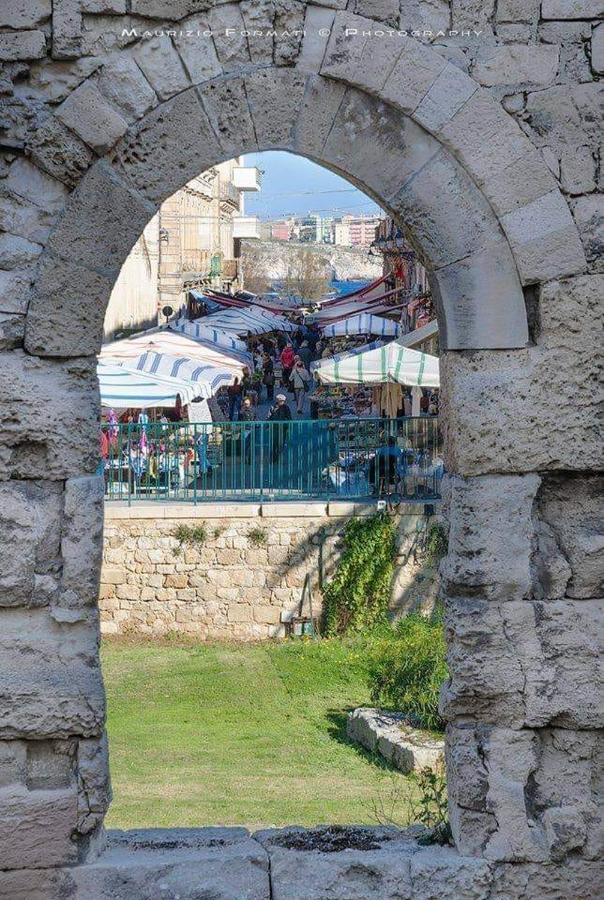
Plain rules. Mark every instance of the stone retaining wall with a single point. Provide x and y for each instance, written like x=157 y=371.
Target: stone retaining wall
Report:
x=245 y=578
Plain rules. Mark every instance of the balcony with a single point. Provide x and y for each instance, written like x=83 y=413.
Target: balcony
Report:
x=229 y=193
x=247 y=178
x=246 y=227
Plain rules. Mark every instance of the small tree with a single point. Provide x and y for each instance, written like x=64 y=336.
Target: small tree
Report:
x=307 y=274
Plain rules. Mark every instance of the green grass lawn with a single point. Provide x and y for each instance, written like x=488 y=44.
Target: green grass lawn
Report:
x=248 y=734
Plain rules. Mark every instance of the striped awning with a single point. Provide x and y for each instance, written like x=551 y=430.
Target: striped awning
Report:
x=125 y=388
x=175 y=344
x=391 y=363
x=247 y=321
x=198 y=330
x=207 y=377
x=363 y=323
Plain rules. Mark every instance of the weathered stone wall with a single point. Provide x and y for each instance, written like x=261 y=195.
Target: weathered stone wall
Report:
x=487 y=146
x=245 y=578
x=273 y=258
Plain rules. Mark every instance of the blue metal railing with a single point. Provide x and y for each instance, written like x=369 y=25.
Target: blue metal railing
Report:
x=260 y=461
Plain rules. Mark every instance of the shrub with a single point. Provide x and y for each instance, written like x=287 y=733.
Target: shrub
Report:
x=356 y=599
x=190 y=534
x=257 y=537
x=407 y=669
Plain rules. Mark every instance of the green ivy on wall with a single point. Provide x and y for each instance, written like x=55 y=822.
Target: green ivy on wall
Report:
x=356 y=598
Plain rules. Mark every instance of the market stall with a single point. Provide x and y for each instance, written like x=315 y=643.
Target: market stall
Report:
x=173 y=343
x=362 y=323
x=251 y=321
x=198 y=330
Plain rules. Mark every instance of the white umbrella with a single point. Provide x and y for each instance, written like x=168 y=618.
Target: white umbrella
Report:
x=391 y=363
x=122 y=388
x=363 y=323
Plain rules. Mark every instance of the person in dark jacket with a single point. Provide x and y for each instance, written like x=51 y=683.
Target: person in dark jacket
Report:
x=281 y=414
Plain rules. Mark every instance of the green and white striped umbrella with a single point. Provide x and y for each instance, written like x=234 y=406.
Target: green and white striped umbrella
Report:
x=391 y=363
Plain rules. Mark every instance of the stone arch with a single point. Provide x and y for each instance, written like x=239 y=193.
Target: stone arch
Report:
x=521 y=709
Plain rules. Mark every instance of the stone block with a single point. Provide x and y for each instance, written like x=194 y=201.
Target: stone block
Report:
x=93 y=232
x=572 y=509
x=588 y=213
x=544 y=239
x=597 y=49
x=572 y=9
x=228 y=29
x=24 y=13
x=13 y=763
x=275 y=97
x=172 y=145
x=339 y=863
x=50 y=675
x=58 y=322
x=412 y=76
x=496 y=437
x=288 y=509
x=22 y=45
x=578 y=170
x=495 y=563
x=483 y=137
x=29 y=183
x=451 y=89
x=92 y=118
x=273 y=30
x=60 y=152
x=355 y=57
x=524 y=180
x=482 y=300
x=15 y=289
x=67 y=29
x=124 y=85
x=512 y=64
x=162 y=66
x=366 y=128
x=524 y=664
x=226 y=105
x=442 y=238
x=407 y=749
x=82 y=541
x=198 y=53
x=94 y=786
x=316 y=115
x=36 y=828
x=30 y=519
x=17 y=251
x=50 y=412
x=317 y=26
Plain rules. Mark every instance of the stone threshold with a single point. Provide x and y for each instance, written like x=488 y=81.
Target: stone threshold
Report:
x=336 y=862
x=149 y=509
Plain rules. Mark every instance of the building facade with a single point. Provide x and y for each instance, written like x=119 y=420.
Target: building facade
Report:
x=405 y=272
x=355 y=231
x=192 y=242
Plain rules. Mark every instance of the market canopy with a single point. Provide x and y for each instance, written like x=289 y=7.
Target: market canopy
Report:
x=391 y=363
x=175 y=344
x=207 y=377
x=200 y=331
x=124 y=388
x=247 y=321
x=363 y=323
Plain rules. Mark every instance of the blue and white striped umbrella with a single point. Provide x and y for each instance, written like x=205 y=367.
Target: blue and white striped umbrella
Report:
x=363 y=323
x=209 y=378
x=198 y=330
x=123 y=388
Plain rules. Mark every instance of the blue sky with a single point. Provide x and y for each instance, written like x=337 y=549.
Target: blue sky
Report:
x=293 y=185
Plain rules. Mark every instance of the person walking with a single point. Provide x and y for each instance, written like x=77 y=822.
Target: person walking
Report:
x=288 y=358
x=247 y=414
x=305 y=353
x=268 y=377
x=281 y=415
x=234 y=392
x=300 y=379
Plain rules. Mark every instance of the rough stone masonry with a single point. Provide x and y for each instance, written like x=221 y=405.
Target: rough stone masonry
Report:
x=477 y=125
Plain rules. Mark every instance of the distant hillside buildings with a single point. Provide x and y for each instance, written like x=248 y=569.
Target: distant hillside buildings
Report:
x=345 y=231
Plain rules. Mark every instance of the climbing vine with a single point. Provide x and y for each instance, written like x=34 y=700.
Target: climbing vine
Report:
x=356 y=598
